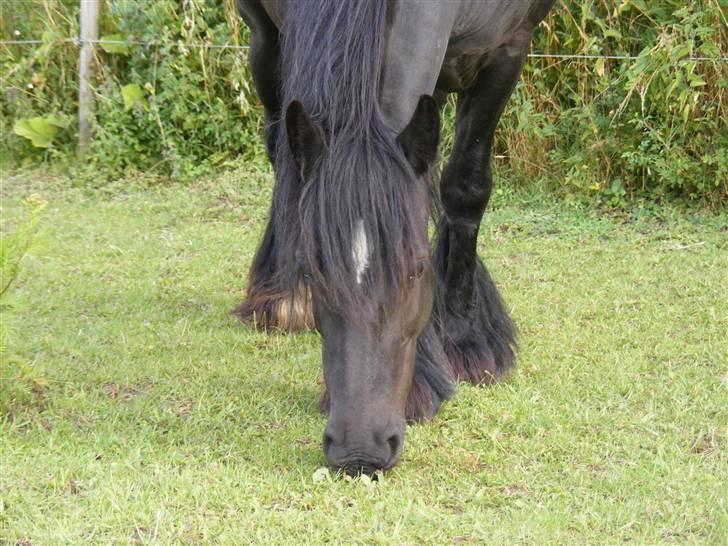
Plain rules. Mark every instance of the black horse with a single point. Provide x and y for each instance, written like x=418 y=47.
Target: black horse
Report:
x=352 y=91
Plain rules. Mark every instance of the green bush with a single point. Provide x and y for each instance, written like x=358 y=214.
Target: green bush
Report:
x=594 y=129
x=171 y=107
x=37 y=81
x=653 y=127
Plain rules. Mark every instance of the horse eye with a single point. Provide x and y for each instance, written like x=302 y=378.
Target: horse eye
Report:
x=307 y=276
x=419 y=270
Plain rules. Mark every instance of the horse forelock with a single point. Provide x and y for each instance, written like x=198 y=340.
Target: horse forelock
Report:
x=354 y=224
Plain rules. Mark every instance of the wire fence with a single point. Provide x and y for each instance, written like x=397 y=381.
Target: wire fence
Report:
x=80 y=41
x=565 y=56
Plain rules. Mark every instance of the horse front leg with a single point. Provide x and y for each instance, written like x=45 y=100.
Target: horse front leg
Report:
x=477 y=333
x=268 y=303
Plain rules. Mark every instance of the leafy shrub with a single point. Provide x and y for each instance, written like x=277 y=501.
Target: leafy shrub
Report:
x=172 y=107
x=595 y=129
x=653 y=127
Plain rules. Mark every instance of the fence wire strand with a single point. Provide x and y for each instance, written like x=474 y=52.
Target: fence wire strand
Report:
x=566 y=56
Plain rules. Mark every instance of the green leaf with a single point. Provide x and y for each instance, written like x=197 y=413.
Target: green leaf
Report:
x=696 y=81
x=680 y=51
x=114 y=43
x=58 y=120
x=38 y=130
x=49 y=36
x=133 y=95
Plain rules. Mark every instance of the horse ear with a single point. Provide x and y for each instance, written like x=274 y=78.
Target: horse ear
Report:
x=304 y=138
x=420 y=138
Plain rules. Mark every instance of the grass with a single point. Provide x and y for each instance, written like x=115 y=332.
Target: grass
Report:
x=165 y=421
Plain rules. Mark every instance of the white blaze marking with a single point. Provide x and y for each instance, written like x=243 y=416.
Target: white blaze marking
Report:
x=360 y=251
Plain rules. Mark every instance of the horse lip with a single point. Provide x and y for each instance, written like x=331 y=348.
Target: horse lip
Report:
x=355 y=471
x=354 y=465
x=357 y=465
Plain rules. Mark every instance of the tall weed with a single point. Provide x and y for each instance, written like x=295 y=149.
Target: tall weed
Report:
x=20 y=383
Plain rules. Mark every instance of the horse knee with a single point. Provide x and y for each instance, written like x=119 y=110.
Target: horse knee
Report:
x=465 y=194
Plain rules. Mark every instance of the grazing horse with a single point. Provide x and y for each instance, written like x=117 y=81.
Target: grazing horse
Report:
x=352 y=92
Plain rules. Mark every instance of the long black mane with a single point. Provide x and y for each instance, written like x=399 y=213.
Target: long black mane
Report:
x=332 y=57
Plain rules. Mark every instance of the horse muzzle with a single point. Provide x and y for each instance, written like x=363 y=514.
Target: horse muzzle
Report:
x=353 y=456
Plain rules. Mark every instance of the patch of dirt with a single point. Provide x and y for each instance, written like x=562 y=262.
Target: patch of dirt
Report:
x=184 y=409
x=515 y=490
x=124 y=394
x=74 y=487
x=704 y=444
x=466 y=539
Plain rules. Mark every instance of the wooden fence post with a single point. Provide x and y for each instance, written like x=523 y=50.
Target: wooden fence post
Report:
x=89 y=35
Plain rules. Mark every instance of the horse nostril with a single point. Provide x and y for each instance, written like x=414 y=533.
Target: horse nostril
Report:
x=328 y=440
x=393 y=442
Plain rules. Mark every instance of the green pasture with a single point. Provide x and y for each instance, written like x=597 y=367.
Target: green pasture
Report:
x=156 y=418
